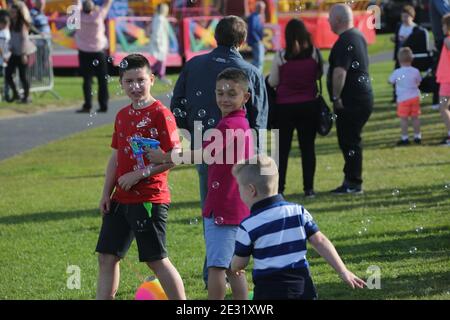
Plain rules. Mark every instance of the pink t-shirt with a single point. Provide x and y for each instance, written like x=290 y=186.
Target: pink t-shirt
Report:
x=443 y=69
x=223 y=200
x=91 y=35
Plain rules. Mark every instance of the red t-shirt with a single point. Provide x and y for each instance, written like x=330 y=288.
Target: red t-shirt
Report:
x=156 y=122
x=223 y=200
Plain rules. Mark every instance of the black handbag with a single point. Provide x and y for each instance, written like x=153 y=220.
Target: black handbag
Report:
x=428 y=83
x=325 y=116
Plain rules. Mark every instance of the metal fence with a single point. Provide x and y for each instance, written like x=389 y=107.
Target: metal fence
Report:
x=40 y=68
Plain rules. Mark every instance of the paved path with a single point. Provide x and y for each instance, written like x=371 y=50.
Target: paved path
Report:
x=23 y=133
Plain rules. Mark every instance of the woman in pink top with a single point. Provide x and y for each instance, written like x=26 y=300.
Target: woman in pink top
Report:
x=92 y=42
x=443 y=77
x=294 y=73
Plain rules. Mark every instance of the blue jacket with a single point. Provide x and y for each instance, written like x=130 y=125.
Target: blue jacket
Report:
x=438 y=8
x=195 y=90
x=255 y=29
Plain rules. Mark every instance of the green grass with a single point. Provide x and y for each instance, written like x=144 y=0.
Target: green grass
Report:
x=49 y=217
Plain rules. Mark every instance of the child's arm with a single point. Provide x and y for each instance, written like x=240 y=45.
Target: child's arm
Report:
x=128 y=180
x=110 y=181
x=238 y=264
x=326 y=249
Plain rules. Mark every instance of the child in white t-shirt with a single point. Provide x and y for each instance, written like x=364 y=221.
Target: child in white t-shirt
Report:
x=407 y=80
x=5 y=36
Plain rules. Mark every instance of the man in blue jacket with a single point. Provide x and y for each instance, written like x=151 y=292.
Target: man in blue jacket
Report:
x=194 y=98
x=256 y=34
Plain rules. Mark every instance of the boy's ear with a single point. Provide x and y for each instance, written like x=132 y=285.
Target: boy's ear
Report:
x=252 y=189
x=246 y=96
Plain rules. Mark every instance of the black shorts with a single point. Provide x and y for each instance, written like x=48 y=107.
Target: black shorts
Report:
x=291 y=285
x=125 y=222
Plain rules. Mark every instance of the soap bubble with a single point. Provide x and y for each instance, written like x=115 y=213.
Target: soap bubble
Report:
x=95 y=62
x=177 y=112
x=412 y=250
x=193 y=221
x=198 y=93
x=355 y=64
x=412 y=206
x=153 y=133
x=395 y=192
x=218 y=220
x=419 y=229
x=351 y=153
x=201 y=113
x=350 y=48
x=110 y=59
x=215 y=185
x=123 y=64
x=211 y=122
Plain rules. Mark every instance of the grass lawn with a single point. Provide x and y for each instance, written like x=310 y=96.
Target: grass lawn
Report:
x=49 y=218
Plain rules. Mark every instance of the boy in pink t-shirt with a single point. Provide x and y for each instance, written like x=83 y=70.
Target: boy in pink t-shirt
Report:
x=229 y=143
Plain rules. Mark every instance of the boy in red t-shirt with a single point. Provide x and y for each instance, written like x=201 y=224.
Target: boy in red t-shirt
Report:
x=139 y=205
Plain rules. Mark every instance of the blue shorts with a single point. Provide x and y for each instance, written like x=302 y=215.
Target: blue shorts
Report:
x=220 y=243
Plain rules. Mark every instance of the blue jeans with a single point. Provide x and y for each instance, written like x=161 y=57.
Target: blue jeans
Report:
x=202 y=170
x=258 y=55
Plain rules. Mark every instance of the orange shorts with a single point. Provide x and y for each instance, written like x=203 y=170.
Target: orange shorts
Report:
x=409 y=108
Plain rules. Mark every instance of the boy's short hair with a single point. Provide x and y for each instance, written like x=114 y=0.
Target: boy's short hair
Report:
x=446 y=20
x=405 y=54
x=236 y=75
x=231 y=31
x=260 y=171
x=133 y=61
x=409 y=10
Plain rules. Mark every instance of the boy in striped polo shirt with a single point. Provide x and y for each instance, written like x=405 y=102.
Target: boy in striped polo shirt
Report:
x=275 y=235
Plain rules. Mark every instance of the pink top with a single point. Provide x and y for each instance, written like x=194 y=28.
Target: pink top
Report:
x=223 y=200
x=91 y=35
x=443 y=69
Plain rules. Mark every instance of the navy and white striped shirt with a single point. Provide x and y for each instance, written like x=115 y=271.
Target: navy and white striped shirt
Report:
x=275 y=234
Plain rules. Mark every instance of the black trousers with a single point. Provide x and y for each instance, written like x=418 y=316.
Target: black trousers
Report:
x=303 y=117
x=94 y=64
x=13 y=63
x=349 y=126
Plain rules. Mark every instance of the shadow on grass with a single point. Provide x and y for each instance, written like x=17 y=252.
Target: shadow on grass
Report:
x=41 y=217
x=400 y=287
x=421 y=196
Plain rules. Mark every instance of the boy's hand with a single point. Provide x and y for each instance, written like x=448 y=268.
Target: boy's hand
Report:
x=239 y=272
x=128 y=180
x=156 y=156
x=105 y=204
x=352 y=280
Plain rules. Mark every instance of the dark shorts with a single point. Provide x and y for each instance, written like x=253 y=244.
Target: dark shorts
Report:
x=124 y=222
x=293 y=286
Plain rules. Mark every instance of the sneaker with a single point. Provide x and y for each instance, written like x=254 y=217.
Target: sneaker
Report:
x=445 y=142
x=83 y=110
x=25 y=100
x=310 y=194
x=102 y=110
x=402 y=142
x=417 y=140
x=344 y=189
